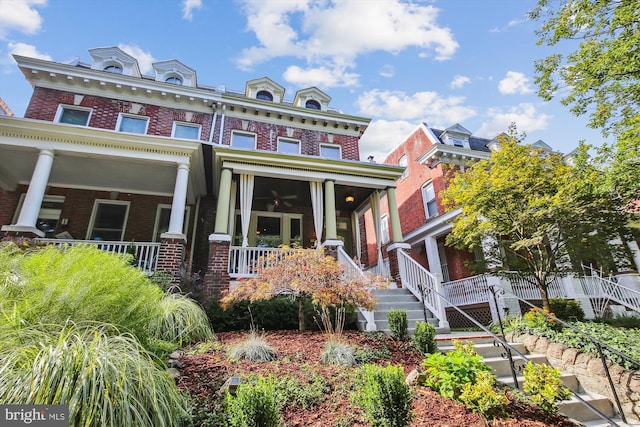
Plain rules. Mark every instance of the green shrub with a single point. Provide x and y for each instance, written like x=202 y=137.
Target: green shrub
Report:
x=385 y=397
x=254 y=405
x=338 y=352
x=424 y=338
x=398 y=324
x=483 y=397
x=180 y=320
x=105 y=378
x=307 y=392
x=543 y=385
x=254 y=349
x=368 y=354
x=566 y=309
x=448 y=373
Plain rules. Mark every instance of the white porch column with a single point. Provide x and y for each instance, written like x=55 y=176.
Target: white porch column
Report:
x=176 y=220
x=331 y=229
x=633 y=246
x=224 y=195
x=396 y=230
x=433 y=255
x=35 y=194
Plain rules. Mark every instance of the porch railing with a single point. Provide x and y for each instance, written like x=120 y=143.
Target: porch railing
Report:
x=467 y=291
x=526 y=289
x=352 y=271
x=145 y=254
x=245 y=261
x=599 y=287
x=420 y=282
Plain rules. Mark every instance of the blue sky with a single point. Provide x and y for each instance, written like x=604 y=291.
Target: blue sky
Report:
x=397 y=62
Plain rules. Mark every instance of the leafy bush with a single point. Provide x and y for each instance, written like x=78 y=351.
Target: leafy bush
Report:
x=385 y=396
x=254 y=405
x=398 y=324
x=629 y=321
x=566 y=309
x=104 y=377
x=537 y=318
x=483 y=397
x=338 y=352
x=368 y=354
x=254 y=348
x=424 y=338
x=448 y=373
x=543 y=385
x=306 y=393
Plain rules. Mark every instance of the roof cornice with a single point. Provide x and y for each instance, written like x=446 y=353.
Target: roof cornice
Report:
x=452 y=155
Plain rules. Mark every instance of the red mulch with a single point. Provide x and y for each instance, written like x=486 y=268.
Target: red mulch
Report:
x=202 y=376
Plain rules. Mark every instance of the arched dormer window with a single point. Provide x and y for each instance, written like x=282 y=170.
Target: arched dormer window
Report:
x=264 y=95
x=312 y=104
x=115 y=69
x=174 y=80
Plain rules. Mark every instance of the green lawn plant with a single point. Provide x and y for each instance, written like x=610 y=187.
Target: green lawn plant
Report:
x=482 y=396
x=338 y=352
x=254 y=348
x=544 y=386
x=254 y=405
x=424 y=338
x=398 y=324
x=385 y=396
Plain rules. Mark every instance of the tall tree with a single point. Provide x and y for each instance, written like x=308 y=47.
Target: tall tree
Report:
x=600 y=77
x=531 y=212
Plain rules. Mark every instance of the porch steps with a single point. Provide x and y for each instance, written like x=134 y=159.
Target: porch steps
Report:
x=493 y=356
x=398 y=299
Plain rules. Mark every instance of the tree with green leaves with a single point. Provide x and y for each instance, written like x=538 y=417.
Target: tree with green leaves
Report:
x=601 y=76
x=534 y=214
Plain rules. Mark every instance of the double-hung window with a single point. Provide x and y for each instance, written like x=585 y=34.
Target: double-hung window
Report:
x=429 y=200
x=73 y=115
x=330 y=151
x=289 y=146
x=132 y=124
x=243 y=140
x=186 y=131
x=108 y=220
x=403 y=162
x=163 y=215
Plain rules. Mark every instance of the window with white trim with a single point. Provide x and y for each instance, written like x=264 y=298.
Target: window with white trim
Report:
x=243 y=140
x=384 y=229
x=289 y=146
x=429 y=200
x=330 y=151
x=163 y=215
x=49 y=214
x=108 y=220
x=403 y=162
x=186 y=131
x=73 y=115
x=132 y=124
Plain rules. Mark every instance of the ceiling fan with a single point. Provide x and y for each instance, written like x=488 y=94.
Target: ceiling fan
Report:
x=277 y=201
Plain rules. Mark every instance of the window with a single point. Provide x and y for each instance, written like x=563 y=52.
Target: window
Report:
x=330 y=151
x=49 y=215
x=163 y=214
x=186 y=131
x=73 y=115
x=289 y=146
x=264 y=95
x=133 y=124
x=108 y=220
x=174 y=80
x=403 y=162
x=312 y=104
x=115 y=69
x=384 y=229
x=429 y=200
x=243 y=140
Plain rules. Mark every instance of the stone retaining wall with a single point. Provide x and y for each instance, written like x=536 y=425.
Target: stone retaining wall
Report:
x=589 y=371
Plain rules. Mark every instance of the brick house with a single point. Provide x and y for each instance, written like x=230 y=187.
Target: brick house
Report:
x=190 y=178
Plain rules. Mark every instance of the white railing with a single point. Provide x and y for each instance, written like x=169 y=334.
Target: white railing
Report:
x=599 y=287
x=470 y=290
x=145 y=254
x=419 y=281
x=527 y=289
x=244 y=262
x=353 y=272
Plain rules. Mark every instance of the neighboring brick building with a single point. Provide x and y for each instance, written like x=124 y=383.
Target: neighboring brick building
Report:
x=192 y=174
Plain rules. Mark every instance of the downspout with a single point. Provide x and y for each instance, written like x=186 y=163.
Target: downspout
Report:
x=213 y=123
x=224 y=107
x=196 y=220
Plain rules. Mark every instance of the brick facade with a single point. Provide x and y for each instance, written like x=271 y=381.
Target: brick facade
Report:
x=171 y=259
x=217 y=280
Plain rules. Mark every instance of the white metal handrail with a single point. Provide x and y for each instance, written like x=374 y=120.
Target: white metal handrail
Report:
x=599 y=287
x=470 y=290
x=145 y=253
x=245 y=261
x=353 y=272
x=419 y=280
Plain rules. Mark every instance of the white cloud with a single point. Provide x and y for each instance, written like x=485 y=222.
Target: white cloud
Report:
x=382 y=136
x=387 y=71
x=145 y=59
x=320 y=76
x=514 y=83
x=525 y=116
x=24 y=49
x=423 y=106
x=188 y=7
x=317 y=31
x=459 y=81
x=20 y=15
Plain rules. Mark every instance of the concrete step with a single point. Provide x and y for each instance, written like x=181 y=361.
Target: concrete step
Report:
x=408 y=305
x=574 y=408
x=412 y=314
x=569 y=380
x=396 y=298
x=488 y=349
x=444 y=340
x=501 y=365
x=391 y=292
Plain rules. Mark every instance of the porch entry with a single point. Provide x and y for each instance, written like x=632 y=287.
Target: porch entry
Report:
x=270 y=229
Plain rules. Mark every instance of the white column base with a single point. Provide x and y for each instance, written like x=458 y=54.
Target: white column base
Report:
x=23 y=229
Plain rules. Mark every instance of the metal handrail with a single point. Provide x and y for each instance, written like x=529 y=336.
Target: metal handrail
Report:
x=599 y=345
x=509 y=348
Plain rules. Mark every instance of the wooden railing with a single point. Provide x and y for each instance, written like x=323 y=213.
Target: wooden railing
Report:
x=244 y=261
x=470 y=290
x=145 y=254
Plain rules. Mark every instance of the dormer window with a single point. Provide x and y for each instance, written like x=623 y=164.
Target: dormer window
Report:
x=115 y=69
x=312 y=104
x=174 y=80
x=264 y=95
